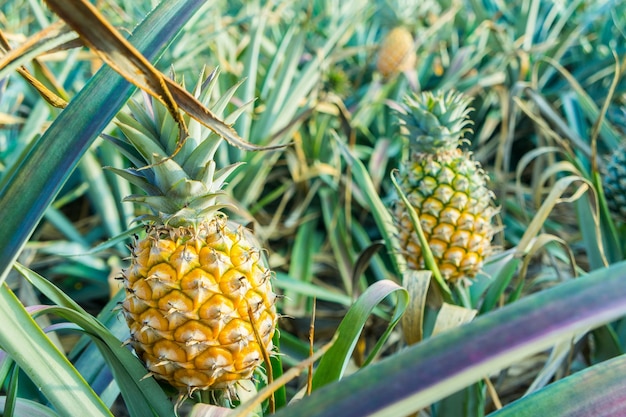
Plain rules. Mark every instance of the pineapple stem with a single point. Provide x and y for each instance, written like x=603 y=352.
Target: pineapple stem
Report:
x=206 y=397
x=462 y=296
x=429 y=260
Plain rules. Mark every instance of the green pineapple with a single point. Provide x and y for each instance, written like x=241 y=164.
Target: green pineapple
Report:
x=199 y=301
x=447 y=189
x=614 y=182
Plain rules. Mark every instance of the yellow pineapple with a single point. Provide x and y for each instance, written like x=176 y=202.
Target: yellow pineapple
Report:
x=199 y=301
x=396 y=52
x=447 y=189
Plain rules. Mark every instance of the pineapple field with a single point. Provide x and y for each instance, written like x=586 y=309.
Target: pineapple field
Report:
x=312 y=208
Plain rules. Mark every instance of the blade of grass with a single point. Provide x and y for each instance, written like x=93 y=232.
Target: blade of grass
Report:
x=301 y=266
x=251 y=64
x=335 y=223
x=288 y=283
x=610 y=135
x=499 y=285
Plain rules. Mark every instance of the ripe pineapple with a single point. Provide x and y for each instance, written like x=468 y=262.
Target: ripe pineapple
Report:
x=396 y=52
x=614 y=183
x=198 y=287
x=445 y=186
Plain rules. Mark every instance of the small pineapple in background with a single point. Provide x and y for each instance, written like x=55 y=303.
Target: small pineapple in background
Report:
x=199 y=301
x=447 y=189
x=401 y=23
x=614 y=182
x=397 y=52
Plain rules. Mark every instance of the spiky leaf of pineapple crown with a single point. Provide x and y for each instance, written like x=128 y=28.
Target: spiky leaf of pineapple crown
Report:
x=180 y=180
x=435 y=121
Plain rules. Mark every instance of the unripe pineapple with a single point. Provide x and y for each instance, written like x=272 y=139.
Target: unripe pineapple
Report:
x=447 y=189
x=199 y=302
x=396 y=52
x=614 y=183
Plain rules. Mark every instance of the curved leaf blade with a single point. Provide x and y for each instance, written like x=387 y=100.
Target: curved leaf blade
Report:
x=24 y=407
x=334 y=362
x=44 y=364
x=598 y=390
x=142 y=395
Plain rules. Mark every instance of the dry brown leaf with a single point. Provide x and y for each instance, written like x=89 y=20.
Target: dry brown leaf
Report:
x=451 y=316
x=417 y=284
x=125 y=59
x=44 y=41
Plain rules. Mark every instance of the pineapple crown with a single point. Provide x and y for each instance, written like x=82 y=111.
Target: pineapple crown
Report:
x=434 y=122
x=178 y=175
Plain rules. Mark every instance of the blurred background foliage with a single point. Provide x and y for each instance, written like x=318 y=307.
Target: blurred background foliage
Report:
x=549 y=99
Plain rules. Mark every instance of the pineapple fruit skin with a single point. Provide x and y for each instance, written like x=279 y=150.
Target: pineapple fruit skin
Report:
x=448 y=191
x=445 y=186
x=614 y=183
x=396 y=53
x=199 y=304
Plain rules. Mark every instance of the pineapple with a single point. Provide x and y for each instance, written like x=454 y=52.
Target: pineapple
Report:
x=199 y=301
x=614 y=183
x=396 y=52
x=445 y=186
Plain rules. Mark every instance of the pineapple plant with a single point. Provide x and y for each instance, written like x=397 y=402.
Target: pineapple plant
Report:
x=614 y=182
x=445 y=186
x=396 y=52
x=199 y=302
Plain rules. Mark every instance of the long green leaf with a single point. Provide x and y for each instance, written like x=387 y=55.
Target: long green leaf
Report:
x=500 y=284
x=45 y=166
x=379 y=211
x=596 y=391
x=11 y=398
x=29 y=408
x=44 y=364
x=142 y=395
x=303 y=250
x=335 y=222
x=121 y=55
x=448 y=362
x=334 y=362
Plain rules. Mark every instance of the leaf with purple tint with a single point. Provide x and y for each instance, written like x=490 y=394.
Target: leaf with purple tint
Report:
x=434 y=369
x=596 y=391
